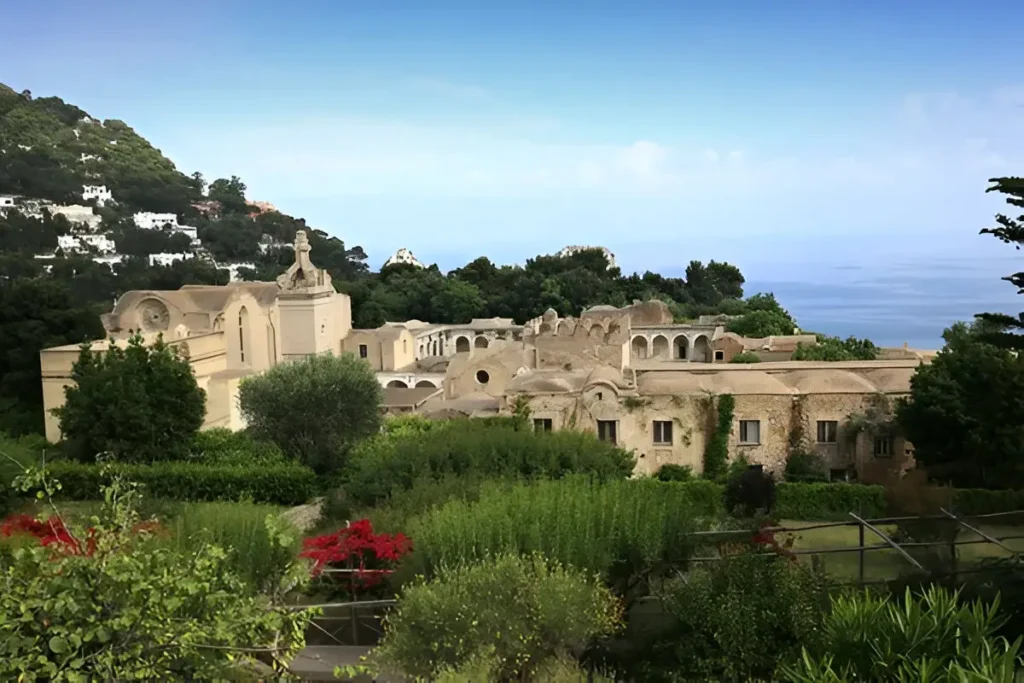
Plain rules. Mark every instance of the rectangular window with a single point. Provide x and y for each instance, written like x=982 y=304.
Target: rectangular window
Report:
x=883 y=447
x=542 y=424
x=363 y=351
x=719 y=355
x=607 y=430
x=663 y=432
x=837 y=474
x=828 y=431
x=750 y=432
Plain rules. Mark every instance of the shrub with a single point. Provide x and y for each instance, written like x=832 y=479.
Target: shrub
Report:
x=279 y=484
x=15 y=455
x=127 y=608
x=824 y=501
x=802 y=465
x=750 y=493
x=316 y=409
x=221 y=446
x=625 y=530
x=518 y=612
x=387 y=464
x=136 y=403
x=746 y=357
x=670 y=472
x=256 y=552
x=984 y=501
x=736 y=619
x=931 y=636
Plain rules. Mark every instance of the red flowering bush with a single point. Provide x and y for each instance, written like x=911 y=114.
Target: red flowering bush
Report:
x=367 y=558
x=52 y=533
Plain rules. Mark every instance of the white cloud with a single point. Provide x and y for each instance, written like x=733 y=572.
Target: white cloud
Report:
x=335 y=157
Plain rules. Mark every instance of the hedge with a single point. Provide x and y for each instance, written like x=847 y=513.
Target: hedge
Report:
x=276 y=484
x=985 y=501
x=825 y=501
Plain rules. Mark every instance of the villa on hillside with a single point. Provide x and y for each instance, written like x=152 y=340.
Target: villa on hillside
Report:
x=630 y=375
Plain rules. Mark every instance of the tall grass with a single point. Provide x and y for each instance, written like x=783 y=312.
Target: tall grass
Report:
x=240 y=527
x=616 y=528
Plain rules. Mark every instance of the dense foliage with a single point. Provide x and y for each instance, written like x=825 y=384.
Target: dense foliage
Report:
x=931 y=636
x=836 y=349
x=716 y=450
x=315 y=409
x=1010 y=230
x=395 y=462
x=110 y=602
x=516 y=612
x=965 y=413
x=135 y=403
x=281 y=484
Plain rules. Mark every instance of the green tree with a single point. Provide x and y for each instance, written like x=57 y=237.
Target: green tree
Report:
x=836 y=349
x=459 y=301
x=1011 y=231
x=761 y=323
x=965 y=413
x=37 y=313
x=316 y=409
x=230 y=193
x=136 y=402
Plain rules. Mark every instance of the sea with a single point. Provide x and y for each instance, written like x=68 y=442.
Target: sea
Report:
x=892 y=302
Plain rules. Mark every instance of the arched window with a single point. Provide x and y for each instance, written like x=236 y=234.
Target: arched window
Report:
x=243 y=332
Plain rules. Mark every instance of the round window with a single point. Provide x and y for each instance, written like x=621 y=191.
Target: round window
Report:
x=482 y=377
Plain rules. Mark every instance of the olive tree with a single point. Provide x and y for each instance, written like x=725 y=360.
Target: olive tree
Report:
x=315 y=409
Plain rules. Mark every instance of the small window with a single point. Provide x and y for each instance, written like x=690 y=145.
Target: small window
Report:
x=542 y=424
x=663 y=432
x=364 y=351
x=883 y=447
x=750 y=432
x=482 y=377
x=600 y=396
x=828 y=431
x=607 y=430
x=719 y=355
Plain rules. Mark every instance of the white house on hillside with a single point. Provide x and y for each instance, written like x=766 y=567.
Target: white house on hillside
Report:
x=98 y=192
x=403 y=255
x=154 y=221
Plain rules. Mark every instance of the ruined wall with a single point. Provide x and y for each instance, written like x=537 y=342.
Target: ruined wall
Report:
x=598 y=337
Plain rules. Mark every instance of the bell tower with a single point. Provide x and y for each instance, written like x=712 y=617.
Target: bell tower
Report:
x=314 y=318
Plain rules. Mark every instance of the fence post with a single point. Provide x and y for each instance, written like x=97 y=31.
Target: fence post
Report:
x=860 y=563
x=952 y=560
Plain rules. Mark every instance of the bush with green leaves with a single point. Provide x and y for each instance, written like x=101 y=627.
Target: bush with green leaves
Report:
x=746 y=357
x=15 y=456
x=111 y=603
x=670 y=472
x=628 y=531
x=284 y=484
x=803 y=465
x=716 y=450
x=825 y=501
x=518 y=613
x=929 y=636
x=390 y=463
x=137 y=403
x=219 y=446
x=836 y=349
x=316 y=408
x=737 y=619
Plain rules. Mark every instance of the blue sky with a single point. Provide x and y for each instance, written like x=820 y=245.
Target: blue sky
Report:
x=781 y=136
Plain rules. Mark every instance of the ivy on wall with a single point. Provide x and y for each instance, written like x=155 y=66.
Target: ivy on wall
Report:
x=716 y=452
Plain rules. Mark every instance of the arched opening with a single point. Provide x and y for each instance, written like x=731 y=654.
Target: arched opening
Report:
x=433 y=347
x=461 y=345
x=405 y=346
x=480 y=343
x=544 y=329
x=682 y=347
x=614 y=329
x=243 y=336
x=562 y=328
x=701 y=350
x=640 y=347
x=596 y=331
x=422 y=349
x=423 y=383
x=397 y=384
x=660 y=347
x=482 y=377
